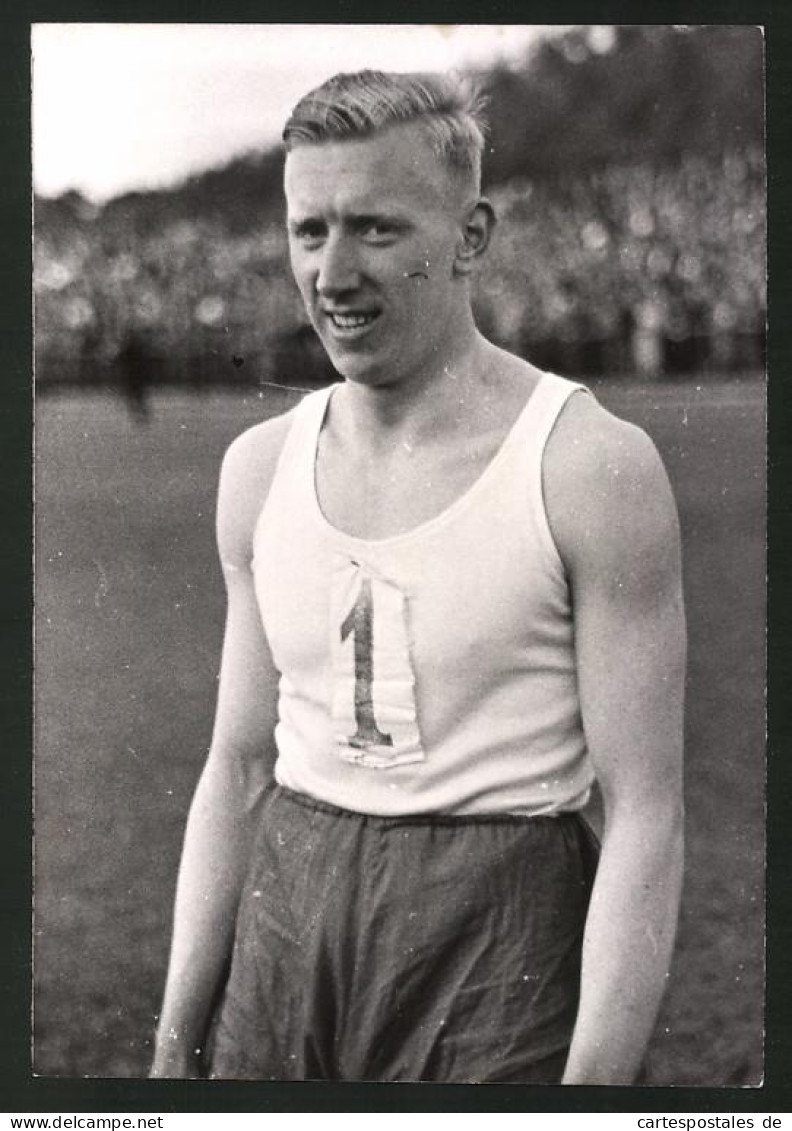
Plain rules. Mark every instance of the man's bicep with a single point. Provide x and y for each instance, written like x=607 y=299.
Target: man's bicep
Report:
x=247 y=699
x=630 y=657
x=248 y=684
x=623 y=556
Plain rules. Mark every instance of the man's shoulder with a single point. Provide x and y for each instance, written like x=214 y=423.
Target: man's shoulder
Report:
x=604 y=481
x=590 y=448
x=255 y=451
x=246 y=476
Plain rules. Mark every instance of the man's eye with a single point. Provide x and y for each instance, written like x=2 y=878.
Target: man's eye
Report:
x=309 y=235
x=377 y=231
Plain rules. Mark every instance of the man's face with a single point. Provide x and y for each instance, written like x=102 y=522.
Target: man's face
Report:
x=374 y=228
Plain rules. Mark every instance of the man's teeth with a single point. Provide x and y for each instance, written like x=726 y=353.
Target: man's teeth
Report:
x=351 y=321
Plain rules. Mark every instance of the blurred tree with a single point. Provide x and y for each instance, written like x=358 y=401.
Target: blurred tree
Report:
x=238 y=195
x=654 y=93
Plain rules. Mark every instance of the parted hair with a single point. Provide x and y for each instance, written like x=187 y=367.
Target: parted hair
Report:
x=361 y=103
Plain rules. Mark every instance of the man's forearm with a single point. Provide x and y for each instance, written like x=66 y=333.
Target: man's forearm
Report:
x=214 y=860
x=627 y=948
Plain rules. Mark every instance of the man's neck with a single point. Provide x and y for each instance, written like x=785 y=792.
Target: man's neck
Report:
x=442 y=398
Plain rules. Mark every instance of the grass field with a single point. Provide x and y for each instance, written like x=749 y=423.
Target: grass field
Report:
x=129 y=621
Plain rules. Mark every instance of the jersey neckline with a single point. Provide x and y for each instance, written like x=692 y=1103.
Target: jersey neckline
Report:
x=447 y=513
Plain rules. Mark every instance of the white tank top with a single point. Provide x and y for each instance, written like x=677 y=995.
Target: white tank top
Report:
x=432 y=671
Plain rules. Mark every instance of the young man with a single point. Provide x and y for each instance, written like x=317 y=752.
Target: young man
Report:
x=453 y=600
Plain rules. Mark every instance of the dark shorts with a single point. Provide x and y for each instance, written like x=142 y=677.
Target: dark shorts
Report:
x=405 y=948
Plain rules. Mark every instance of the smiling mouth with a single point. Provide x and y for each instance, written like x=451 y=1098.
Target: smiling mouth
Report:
x=351 y=324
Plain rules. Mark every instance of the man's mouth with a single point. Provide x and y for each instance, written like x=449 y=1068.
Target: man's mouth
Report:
x=351 y=322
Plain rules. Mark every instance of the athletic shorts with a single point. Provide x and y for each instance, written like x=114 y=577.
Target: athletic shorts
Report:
x=442 y=948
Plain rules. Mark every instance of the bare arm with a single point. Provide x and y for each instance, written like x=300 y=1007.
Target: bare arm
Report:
x=615 y=522
x=227 y=801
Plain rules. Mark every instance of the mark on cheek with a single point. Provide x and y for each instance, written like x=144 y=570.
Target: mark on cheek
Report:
x=415 y=275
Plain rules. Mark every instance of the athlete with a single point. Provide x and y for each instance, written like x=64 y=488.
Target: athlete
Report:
x=454 y=602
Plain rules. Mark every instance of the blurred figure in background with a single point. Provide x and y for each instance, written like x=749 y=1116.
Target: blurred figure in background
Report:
x=134 y=362
x=454 y=601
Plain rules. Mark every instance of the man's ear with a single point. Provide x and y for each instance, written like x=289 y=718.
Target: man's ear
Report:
x=479 y=223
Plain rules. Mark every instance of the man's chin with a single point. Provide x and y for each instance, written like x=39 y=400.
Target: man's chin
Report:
x=358 y=370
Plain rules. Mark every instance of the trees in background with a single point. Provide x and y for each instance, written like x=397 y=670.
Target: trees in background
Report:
x=617 y=95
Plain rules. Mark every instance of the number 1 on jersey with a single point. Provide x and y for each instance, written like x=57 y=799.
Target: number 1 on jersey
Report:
x=359 y=624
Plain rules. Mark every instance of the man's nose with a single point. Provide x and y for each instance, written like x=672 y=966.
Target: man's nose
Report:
x=339 y=269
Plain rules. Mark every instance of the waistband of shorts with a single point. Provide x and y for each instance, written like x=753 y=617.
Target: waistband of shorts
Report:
x=432 y=819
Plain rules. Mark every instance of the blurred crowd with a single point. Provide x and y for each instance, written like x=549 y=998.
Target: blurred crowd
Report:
x=633 y=268
x=629 y=270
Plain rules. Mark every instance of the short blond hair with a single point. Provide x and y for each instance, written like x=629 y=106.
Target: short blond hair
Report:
x=361 y=103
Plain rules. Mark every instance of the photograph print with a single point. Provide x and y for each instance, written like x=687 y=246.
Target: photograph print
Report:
x=400 y=407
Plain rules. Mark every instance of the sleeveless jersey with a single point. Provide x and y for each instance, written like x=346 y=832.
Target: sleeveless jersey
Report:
x=431 y=671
